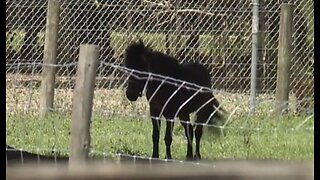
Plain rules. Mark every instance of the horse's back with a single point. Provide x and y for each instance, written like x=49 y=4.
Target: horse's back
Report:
x=197 y=73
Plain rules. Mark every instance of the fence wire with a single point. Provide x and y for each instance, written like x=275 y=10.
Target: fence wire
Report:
x=216 y=33
x=113 y=114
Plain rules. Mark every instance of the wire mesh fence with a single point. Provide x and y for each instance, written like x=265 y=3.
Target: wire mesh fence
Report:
x=215 y=33
x=122 y=130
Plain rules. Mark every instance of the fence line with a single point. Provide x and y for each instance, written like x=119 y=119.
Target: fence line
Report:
x=145 y=117
x=215 y=35
x=70 y=81
x=121 y=68
x=226 y=170
x=22 y=156
x=104 y=156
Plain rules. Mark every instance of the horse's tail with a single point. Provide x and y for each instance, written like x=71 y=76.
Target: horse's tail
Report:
x=219 y=119
x=214 y=115
x=221 y=112
x=211 y=112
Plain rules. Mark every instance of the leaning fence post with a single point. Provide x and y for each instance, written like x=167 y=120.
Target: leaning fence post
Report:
x=284 y=58
x=82 y=103
x=49 y=58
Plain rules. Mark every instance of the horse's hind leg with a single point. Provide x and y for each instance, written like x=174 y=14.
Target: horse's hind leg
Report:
x=168 y=138
x=198 y=135
x=185 y=121
x=202 y=116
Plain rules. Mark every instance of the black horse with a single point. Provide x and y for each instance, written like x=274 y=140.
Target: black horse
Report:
x=185 y=89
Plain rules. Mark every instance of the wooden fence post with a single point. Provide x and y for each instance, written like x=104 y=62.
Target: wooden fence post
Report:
x=82 y=103
x=284 y=58
x=49 y=57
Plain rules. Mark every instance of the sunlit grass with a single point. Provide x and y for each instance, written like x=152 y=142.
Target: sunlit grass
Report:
x=245 y=138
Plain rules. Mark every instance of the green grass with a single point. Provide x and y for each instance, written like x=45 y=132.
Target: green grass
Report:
x=124 y=129
x=276 y=139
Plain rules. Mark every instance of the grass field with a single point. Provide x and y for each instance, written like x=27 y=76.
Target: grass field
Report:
x=276 y=138
x=119 y=126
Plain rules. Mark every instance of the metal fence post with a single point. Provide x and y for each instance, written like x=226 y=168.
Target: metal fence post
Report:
x=255 y=55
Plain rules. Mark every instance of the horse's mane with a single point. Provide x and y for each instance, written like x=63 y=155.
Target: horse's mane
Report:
x=137 y=49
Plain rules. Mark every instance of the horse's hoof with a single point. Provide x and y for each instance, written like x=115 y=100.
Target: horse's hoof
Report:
x=189 y=158
x=197 y=157
x=168 y=157
x=155 y=156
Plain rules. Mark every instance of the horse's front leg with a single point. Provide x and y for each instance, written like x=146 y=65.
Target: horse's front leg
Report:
x=156 y=124
x=168 y=137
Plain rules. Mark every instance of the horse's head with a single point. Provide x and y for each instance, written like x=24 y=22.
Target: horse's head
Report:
x=136 y=59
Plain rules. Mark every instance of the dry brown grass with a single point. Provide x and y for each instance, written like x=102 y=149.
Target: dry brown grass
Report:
x=112 y=102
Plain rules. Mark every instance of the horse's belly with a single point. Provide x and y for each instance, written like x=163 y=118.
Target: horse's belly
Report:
x=180 y=103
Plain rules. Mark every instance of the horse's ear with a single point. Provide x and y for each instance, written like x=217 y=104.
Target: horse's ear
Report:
x=142 y=45
x=141 y=42
x=143 y=55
